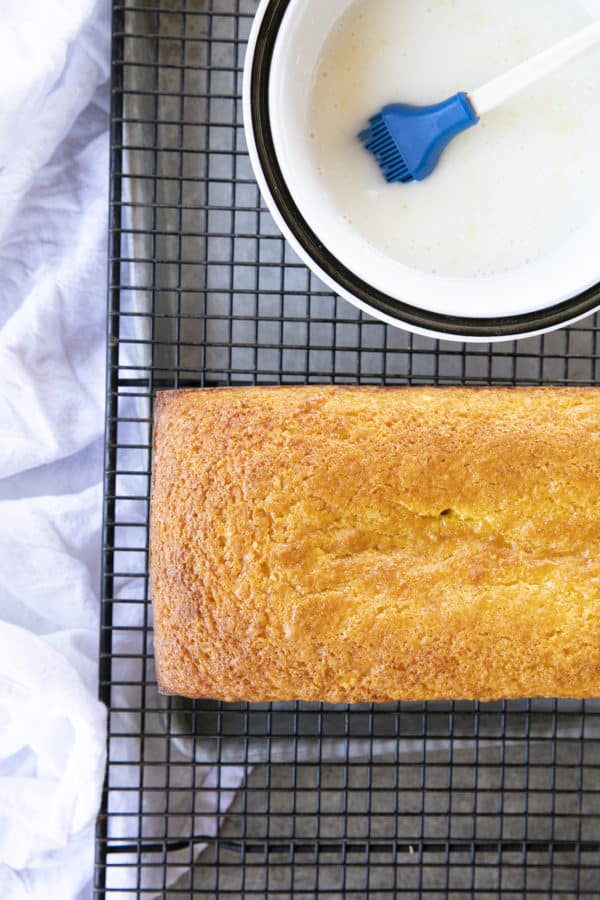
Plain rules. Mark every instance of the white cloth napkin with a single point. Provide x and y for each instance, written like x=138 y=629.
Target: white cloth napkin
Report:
x=53 y=190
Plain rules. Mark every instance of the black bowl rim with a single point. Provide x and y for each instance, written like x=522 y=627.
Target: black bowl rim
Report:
x=547 y=319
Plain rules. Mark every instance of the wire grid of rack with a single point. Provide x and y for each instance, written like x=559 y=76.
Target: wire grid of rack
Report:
x=440 y=800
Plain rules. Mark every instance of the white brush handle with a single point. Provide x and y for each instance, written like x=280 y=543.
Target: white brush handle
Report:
x=506 y=86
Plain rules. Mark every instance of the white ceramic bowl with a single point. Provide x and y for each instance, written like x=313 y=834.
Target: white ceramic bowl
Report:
x=286 y=43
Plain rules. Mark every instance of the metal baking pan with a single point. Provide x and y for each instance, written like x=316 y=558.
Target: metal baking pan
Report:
x=501 y=799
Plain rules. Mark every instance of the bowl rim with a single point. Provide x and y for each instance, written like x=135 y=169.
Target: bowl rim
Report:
x=263 y=155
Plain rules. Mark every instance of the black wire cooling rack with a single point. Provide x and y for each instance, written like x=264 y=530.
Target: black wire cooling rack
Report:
x=292 y=800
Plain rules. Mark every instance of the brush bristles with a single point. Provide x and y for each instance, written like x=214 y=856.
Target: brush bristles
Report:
x=378 y=139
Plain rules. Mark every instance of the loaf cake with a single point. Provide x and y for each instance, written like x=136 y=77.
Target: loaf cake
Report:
x=362 y=544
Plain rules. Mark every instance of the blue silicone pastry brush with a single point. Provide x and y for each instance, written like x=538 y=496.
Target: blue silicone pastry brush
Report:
x=408 y=141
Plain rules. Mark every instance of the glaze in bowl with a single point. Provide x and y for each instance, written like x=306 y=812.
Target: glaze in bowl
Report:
x=286 y=43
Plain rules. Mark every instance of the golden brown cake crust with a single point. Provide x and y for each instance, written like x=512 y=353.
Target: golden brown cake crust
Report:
x=364 y=544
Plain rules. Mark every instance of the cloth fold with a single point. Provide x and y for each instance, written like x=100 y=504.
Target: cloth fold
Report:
x=52 y=750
